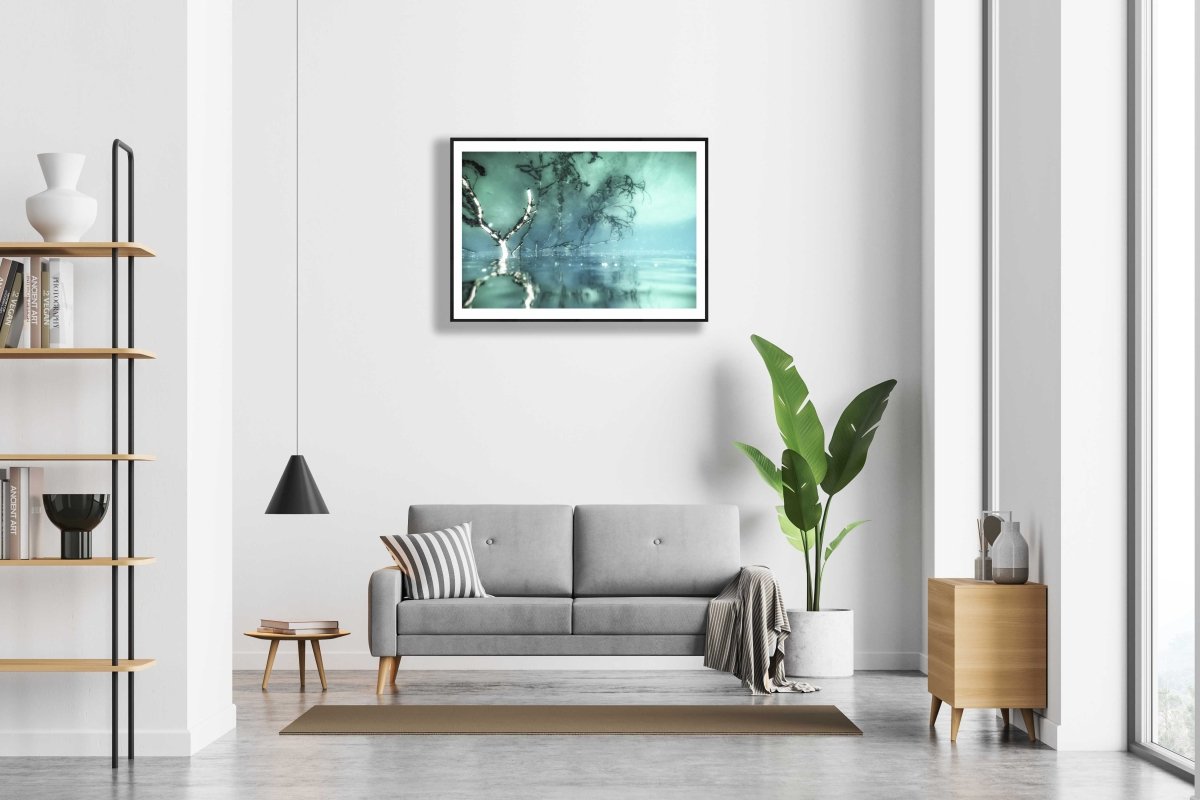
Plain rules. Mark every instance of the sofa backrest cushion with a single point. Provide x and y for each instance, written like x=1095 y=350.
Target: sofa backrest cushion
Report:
x=520 y=551
x=655 y=550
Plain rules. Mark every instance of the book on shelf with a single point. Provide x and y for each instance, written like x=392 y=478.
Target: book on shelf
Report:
x=23 y=512
x=31 y=321
x=37 y=303
x=34 y=484
x=291 y=626
x=7 y=265
x=10 y=304
x=44 y=304
x=4 y=490
x=62 y=303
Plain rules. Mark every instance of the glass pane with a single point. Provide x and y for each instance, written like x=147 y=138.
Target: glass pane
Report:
x=1173 y=360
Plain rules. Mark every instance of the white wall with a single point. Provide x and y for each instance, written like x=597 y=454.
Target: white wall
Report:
x=813 y=110
x=105 y=70
x=1028 y=393
x=1062 y=333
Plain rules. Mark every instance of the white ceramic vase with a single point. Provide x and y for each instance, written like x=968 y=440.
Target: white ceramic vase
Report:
x=61 y=213
x=821 y=644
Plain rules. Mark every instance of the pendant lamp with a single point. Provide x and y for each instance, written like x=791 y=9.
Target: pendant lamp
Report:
x=297 y=491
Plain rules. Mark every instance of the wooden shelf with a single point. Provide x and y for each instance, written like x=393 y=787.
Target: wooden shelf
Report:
x=74 y=353
x=74 y=664
x=74 y=249
x=74 y=457
x=126 y=561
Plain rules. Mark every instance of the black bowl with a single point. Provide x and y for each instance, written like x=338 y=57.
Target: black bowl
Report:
x=75 y=512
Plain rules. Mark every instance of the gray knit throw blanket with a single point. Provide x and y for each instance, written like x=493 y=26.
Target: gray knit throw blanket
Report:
x=747 y=626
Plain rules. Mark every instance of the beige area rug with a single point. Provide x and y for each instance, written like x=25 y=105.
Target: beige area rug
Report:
x=725 y=720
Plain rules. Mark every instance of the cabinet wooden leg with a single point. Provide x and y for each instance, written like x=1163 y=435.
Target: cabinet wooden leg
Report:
x=385 y=671
x=270 y=662
x=935 y=705
x=300 y=650
x=395 y=669
x=320 y=663
x=1004 y=713
x=955 y=719
x=1027 y=715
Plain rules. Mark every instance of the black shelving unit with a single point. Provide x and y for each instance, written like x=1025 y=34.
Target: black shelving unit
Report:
x=116 y=249
x=119 y=147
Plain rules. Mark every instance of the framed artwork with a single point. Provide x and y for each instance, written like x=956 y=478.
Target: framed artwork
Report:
x=579 y=229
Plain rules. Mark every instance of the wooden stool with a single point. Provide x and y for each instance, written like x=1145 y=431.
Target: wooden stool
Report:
x=299 y=639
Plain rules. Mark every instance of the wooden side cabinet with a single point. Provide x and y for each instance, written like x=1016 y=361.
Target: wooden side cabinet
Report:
x=987 y=648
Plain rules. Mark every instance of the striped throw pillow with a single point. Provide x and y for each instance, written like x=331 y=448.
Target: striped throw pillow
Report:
x=437 y=565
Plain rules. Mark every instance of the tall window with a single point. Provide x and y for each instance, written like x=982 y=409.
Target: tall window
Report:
x=1164 y=203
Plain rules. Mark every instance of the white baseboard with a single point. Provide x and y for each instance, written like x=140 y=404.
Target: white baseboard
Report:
x=1047 y=729
x=213 y=728
x=888 y=661
x=151 y=743
x=363 y=660
x=923 y=663
x=360 y=660
x=93 y=742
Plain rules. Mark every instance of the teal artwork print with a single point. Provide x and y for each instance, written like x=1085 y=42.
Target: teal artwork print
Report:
x=579 y=230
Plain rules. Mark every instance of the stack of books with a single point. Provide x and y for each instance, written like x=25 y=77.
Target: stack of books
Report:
x=21 y=514
x=303 y=628
x=37 y=303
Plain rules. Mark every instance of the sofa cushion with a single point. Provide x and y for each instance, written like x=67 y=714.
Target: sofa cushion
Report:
x=504 y=616
x=520 y=551
x=654 y=550
x=639 y=616
x=437 y=564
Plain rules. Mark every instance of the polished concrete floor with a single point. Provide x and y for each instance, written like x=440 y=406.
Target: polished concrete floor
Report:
x=898 y=756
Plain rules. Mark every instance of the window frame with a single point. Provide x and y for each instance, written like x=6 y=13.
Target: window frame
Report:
x=1141 y=423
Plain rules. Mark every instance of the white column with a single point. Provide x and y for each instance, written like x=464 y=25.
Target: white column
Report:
x=952 y=268
x=210 y=712
x=1094 y=532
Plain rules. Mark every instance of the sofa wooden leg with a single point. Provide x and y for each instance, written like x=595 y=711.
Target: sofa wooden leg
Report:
x=387 y=667
x=395 y=669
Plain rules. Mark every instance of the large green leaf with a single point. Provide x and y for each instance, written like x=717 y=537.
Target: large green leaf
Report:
x=801 y=502
x=795 y=414
x=801 y=540
x=853 y=435
x=829 y=548
x=766 y=467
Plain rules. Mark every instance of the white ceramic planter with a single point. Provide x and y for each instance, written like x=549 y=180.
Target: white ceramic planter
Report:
x=821 y=644
x=61 y=213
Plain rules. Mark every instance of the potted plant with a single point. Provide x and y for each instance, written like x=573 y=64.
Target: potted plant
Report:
x=822 y=640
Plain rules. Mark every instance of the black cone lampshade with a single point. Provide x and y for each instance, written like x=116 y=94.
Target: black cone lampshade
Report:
x=297 y=492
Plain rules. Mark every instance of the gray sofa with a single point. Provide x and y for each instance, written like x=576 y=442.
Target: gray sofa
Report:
x=588 y=580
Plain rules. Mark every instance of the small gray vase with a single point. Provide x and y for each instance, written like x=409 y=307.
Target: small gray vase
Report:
x=983 y=567
x=1010 y=555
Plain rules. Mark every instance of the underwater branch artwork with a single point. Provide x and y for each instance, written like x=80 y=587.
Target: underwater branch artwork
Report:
x=579 y=229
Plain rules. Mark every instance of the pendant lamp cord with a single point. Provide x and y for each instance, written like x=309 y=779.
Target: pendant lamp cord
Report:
x=297 y=227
